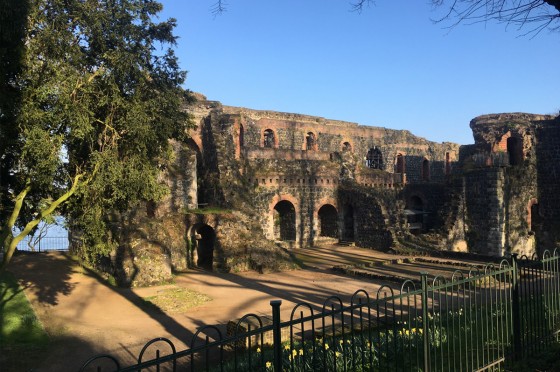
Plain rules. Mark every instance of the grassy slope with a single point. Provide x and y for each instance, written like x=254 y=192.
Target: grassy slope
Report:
x=18 y=323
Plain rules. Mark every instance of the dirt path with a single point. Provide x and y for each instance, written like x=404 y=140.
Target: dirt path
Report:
x=86 y=317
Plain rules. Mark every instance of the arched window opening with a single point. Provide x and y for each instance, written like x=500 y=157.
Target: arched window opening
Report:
x=346 y=147
x=310 y=141
x=447 y=164
x=203 y=241
x=515 y=150
x=348 y=223
x=399 y=167
x=374 y=158
x=425 y=170
x=328 y=221
x=284 y=221
x=269 y=138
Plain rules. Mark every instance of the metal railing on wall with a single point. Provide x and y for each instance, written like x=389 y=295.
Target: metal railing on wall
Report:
x=472 y=321
x=44 y=244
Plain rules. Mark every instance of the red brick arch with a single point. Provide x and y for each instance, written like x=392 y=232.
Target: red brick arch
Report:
x=304 y=144
x=264 y=129
x=345 y=140
x=275 y=200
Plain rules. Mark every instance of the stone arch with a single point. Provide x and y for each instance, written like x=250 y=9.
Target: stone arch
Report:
x=310 y=141
x=327 y=218
x=274 y=231
x=269 y=138
x=400 y=166
x=374 y=158
x=346 y=146
x=202 y=240
x=425 y=170
x=284 y=216
x=513 y=145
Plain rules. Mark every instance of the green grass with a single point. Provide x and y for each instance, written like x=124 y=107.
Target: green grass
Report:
x=175 y=300
x=18 y=322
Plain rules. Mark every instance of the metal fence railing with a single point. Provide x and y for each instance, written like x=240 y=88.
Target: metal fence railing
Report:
x=44 y=244
x=471 y=321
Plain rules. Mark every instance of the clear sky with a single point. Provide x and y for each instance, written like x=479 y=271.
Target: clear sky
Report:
x=389 y=66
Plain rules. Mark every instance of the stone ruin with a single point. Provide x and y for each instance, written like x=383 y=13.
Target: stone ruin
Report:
x=250 y=182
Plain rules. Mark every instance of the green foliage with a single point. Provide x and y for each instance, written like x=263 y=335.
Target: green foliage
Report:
x=99 y=97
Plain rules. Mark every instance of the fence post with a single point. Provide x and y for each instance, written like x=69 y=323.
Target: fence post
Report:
x=276 y=334
x=516 y=311
x=425 y=324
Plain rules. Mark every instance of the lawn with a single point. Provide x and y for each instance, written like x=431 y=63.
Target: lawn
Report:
x=23 y=341
x=18 y=323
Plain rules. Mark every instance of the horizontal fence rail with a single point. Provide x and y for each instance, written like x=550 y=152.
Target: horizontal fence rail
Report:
x=473 y=321
x=44 y=244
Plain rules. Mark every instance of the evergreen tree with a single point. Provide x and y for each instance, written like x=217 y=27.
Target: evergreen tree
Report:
x=95 y=96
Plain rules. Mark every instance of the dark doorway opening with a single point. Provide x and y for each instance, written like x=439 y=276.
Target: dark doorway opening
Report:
x=415 y=215
x=204 y=239
x=348 y=223
x=284 y=221
x=328 y=221
x=515 y=150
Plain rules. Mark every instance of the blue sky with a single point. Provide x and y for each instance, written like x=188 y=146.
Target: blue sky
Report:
x=389 y=66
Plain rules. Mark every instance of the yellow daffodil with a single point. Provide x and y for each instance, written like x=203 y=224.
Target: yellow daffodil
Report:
x=258 y=350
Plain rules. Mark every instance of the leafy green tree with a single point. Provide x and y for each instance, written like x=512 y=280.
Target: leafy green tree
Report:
x=95 y=98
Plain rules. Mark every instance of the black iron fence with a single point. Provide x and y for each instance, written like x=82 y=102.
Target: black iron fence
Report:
x=470 y=321
x=43 y=244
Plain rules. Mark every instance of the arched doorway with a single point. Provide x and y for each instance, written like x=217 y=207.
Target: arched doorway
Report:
x=425 y=170
x=203 y=239
x=348 y=223
x=284 y=221
x=328 y=221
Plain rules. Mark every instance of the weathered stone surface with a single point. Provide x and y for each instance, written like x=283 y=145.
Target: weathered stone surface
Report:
x=262 y=176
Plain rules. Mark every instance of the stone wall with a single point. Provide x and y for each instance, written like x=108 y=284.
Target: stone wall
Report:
x=238 y=193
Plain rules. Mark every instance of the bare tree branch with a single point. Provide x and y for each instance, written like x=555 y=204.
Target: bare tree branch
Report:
x=219 y=7
x=358 y=5
x=544 y=14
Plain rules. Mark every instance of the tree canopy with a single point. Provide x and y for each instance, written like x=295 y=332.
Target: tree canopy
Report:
x=91 y=96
